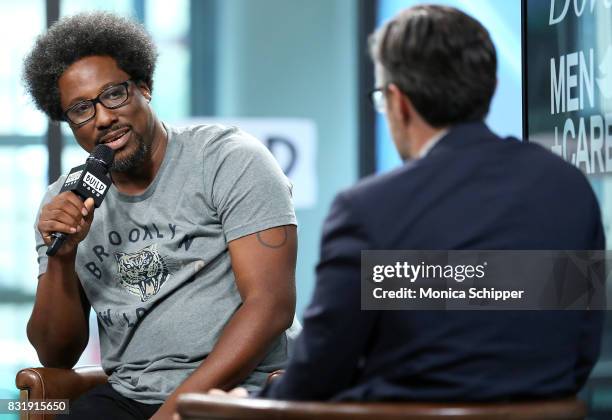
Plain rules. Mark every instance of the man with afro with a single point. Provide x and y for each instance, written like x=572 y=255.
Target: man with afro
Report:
x=189 y=263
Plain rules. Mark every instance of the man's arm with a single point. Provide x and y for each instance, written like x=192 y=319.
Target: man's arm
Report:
x=334 y=340
x=59 y=325
x=264 y=267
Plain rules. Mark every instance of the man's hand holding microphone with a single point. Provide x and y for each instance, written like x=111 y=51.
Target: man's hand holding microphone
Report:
x=66 y=219
x=66 y=213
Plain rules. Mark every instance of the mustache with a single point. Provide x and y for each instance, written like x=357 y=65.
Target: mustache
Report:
x=110 y=130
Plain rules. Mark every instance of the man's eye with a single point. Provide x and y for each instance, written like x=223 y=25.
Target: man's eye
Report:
x=114 y=93
x=80 y=109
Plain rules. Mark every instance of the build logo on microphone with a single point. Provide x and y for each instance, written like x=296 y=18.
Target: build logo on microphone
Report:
x=93 y=184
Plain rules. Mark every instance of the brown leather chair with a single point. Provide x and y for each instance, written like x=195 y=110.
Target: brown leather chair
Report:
x=202 y=406
x=50 y=383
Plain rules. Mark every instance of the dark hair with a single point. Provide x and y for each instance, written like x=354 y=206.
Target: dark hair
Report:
x=441 y=59
x=83 y=35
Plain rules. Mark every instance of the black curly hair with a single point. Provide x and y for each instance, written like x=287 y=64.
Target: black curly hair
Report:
x=83 y=35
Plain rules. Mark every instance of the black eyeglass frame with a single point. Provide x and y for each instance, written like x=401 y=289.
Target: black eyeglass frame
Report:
x=97 y=100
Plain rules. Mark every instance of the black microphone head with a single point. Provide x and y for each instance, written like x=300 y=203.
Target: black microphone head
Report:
x=104 y=154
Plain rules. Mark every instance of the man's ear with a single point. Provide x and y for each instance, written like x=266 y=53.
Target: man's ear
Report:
x=144 y=89
x=399 y=103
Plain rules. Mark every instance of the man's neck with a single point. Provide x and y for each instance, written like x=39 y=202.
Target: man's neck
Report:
x=430 y=143
x=425 y=140
x=138 y=179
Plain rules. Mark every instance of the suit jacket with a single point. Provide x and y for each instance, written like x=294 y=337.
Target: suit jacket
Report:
x=473 y=190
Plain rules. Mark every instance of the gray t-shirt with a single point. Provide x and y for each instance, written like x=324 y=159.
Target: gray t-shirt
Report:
x=156 y=267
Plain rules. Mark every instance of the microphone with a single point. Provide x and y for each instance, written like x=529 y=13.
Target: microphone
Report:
x=88 y=180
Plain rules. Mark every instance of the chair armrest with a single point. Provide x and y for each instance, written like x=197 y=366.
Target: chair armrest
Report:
x=52 y=383
x=193 y=406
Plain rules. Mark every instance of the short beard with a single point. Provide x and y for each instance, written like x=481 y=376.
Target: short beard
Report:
x=133 y=161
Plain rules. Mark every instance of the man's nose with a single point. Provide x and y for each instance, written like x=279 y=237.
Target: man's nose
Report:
x=104 y=117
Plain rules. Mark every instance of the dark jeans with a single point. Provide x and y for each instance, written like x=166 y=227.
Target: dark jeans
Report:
x=104 y=403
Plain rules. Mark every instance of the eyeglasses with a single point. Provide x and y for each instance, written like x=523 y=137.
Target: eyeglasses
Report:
x=111 y=98
x=377 y=97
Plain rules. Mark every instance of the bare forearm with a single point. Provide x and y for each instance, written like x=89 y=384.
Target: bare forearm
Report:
x=242 y=345
x=58 y=327
x=244 y=342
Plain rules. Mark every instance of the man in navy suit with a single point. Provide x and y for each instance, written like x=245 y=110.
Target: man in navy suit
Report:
x=462 y=187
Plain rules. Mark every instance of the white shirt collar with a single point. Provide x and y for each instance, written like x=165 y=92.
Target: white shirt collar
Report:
x=429 y=144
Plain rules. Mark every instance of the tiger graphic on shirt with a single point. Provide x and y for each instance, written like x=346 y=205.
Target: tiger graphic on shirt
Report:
x=142 y=273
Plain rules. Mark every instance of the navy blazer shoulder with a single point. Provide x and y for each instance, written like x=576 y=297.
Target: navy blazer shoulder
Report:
x=477 y=190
